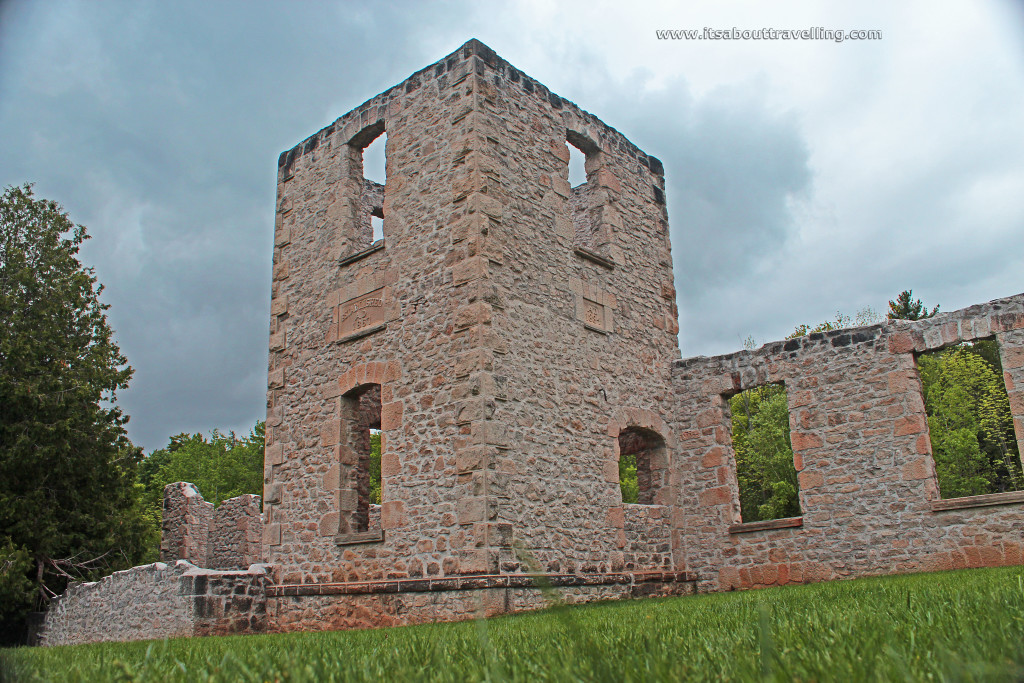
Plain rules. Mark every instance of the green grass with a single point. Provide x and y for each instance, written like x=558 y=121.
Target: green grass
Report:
x=952 y=626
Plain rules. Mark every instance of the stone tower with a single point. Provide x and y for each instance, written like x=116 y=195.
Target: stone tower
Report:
x=508 y=334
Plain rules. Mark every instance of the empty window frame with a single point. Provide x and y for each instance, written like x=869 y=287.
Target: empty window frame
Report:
x=970 y=424
x=765 y=470
x=586 y=203
x=368 y=168
x=360 y=415
x=643 y=466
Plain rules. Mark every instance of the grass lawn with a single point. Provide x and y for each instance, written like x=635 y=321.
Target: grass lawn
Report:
x=951 y=626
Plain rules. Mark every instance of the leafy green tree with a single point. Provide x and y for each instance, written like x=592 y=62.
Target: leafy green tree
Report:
x=905 y=307
x=375 y=467
x=628 y=481
x=969 y=421
x=764 y=454
x=67 y=469
x=221 y=467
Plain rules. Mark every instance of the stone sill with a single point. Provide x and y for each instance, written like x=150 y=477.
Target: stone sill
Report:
x=356 y=256
x=477 y=582
x=363 y=333
x=594 y=257
x=594 y=329
x=784 y=523
x=1007 y=498
x=371 y=536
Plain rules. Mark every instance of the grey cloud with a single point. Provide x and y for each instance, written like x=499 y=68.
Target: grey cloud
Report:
x=158 y=127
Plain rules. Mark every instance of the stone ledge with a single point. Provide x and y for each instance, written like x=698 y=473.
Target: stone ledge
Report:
x=372 y=536
x=477 y=582
x=784 y=523
x=593 y=328
x=1007 y=498
x=362 y=333
x=355 y=256
x=594 y=258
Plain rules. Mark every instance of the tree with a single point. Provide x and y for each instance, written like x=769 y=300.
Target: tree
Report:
x=969 y=420
x=221 y=467
x=375 y=491
x=865 y=316
x=906 y=308
x=68 y=505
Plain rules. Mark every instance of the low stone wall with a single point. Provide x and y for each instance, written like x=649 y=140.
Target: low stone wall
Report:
x=158 y=601
x=868 y=491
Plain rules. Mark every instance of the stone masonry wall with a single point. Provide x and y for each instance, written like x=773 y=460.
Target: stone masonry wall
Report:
x=236 y=534
x=185 y=530
x=228 y=537
x=868 y=491
x=158 y=601
x=579 y=324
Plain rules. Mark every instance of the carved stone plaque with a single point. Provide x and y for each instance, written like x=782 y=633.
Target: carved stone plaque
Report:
x=593 y=314
x=361 y=313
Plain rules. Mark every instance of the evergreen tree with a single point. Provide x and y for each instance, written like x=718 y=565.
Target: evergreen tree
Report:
x=68 y=505
x=906 y=308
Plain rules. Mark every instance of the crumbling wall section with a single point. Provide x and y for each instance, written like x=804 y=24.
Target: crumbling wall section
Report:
x=186 y=524
x=868 y=491
x=236 y=534
x=228 y=537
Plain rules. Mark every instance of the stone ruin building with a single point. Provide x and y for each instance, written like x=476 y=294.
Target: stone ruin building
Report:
x=511 y=336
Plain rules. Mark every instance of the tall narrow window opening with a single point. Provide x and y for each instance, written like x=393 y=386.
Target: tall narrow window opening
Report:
x=765 y=469
x=361 y=427
x=369 y=174
x=970 y=424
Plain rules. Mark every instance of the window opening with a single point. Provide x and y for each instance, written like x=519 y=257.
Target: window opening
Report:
x=765 y=470
x=374 y=164
x=970 y=424
x=375 y=480
x=643 y=465
x=368 y=167
x=361 y=414
x=577 y=166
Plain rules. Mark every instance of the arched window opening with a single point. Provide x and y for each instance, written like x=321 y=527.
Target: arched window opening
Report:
x=643 y=465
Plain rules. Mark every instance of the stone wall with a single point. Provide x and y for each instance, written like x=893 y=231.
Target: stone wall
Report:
x=511 y=336
x=236 y=534
x=227 y=537
x=868 y=492
x=416 y=601
x=158 y=601
x=185 y=531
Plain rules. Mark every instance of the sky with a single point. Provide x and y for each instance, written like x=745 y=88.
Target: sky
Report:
x=805 y=177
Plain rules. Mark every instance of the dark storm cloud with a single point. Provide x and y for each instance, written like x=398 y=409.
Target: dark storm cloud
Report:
x=158 y=126
x=733 y=171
